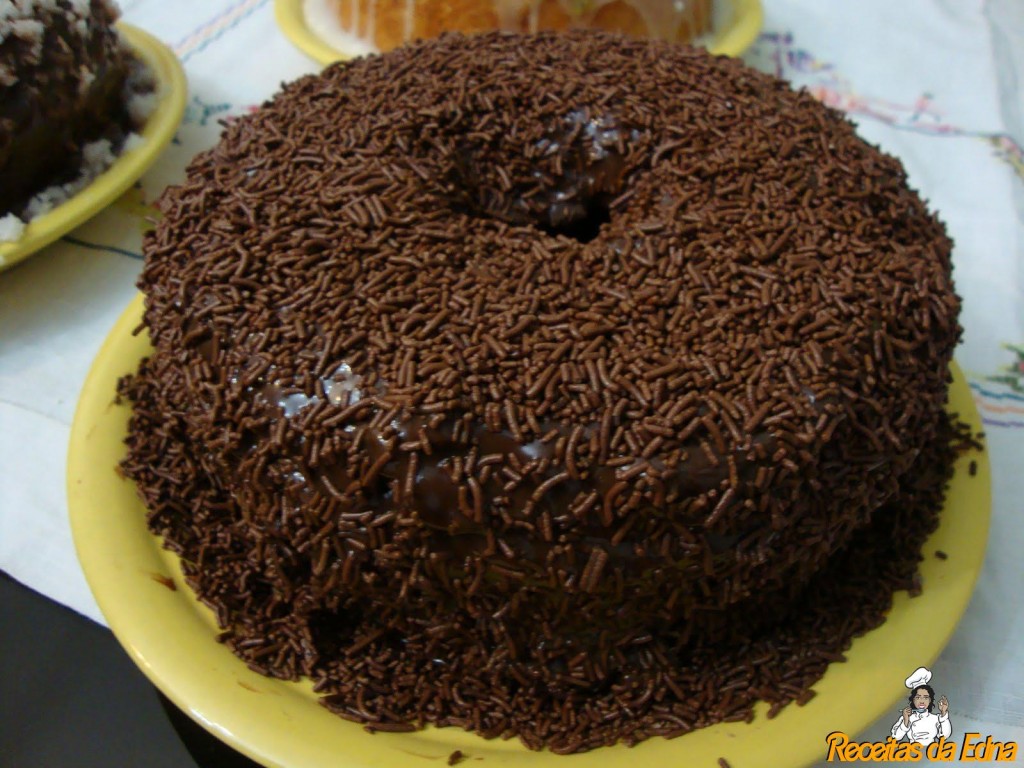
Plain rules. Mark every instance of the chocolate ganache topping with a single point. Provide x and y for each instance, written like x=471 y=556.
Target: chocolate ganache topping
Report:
x=573 y=359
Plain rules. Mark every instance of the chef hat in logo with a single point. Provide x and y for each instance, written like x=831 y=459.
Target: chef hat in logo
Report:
x=920 y=676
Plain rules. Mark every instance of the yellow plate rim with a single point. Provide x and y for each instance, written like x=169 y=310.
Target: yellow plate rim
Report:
x=737 y=36
x=170 y=636
x=126 y=170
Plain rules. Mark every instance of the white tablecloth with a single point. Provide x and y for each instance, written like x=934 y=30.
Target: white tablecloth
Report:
x=936 y=82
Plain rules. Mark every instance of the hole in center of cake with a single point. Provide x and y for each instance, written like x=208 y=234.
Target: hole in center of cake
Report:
x=560 y=184
x=582 y=224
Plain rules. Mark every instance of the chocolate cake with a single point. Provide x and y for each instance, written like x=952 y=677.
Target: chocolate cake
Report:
x=67 y=81
x=561 y=386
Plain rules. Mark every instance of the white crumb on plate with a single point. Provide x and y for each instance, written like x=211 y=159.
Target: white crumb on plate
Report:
x=142 y=105
x=11 y=228
x=134 y=141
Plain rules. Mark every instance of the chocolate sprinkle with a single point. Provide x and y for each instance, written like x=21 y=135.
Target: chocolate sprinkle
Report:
x=565 y=387
x=164 y=581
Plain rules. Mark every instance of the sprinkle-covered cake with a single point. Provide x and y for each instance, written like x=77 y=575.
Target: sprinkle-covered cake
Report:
x=569 y=387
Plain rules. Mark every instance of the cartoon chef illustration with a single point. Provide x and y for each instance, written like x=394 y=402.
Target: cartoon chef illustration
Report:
x=919 y=722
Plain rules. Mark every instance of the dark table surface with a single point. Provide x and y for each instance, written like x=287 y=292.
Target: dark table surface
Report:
x=70 y=696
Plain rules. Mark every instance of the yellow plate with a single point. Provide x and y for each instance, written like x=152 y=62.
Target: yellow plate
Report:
x=106 y=187
x=730 y=39
x=171 y=636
